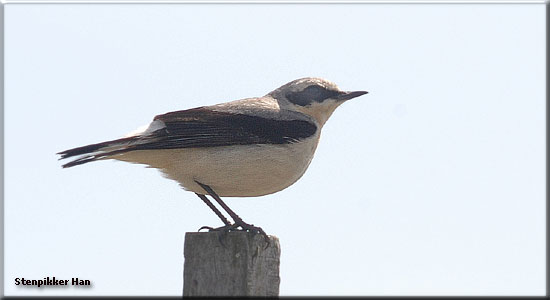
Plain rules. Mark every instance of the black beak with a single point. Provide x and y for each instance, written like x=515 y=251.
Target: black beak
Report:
x=350 y=95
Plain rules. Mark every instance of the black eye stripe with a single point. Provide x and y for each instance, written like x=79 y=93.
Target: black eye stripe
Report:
x=312 y=93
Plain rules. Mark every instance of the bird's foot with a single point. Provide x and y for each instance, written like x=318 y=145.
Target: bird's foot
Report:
x=253 y=229
x=235 y=227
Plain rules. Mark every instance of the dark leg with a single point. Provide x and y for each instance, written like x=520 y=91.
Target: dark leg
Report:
x=238 y=221
x=215 y=210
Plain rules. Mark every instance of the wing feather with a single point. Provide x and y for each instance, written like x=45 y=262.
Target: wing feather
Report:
x=199 y=127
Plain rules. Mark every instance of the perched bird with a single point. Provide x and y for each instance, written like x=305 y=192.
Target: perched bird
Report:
x=244 y=148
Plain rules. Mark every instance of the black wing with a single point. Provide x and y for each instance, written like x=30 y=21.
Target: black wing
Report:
x=199 y=127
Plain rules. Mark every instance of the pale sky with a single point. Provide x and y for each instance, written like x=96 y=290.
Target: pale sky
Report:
x=432 y=184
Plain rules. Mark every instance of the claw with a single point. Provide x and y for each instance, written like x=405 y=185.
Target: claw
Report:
x=206 y=227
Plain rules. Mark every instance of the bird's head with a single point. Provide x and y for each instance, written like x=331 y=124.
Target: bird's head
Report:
x=312 y=96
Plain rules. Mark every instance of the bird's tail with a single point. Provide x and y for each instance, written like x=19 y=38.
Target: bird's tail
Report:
x=93 y=152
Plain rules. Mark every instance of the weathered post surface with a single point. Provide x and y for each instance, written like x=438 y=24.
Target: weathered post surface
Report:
x=233 y=264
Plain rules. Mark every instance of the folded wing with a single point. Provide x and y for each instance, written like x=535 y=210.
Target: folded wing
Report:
x=195 y=128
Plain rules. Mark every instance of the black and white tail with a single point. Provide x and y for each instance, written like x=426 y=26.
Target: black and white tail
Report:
x=89 y=153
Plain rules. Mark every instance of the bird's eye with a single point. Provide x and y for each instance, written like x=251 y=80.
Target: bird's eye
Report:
x=310 y=94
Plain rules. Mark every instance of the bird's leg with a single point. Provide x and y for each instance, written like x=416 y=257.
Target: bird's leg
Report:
x=215 y=210
x=238 y=221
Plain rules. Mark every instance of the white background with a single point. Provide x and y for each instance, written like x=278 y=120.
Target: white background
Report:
x=432 y=184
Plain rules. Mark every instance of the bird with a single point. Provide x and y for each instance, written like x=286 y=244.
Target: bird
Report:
x=244 y=148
